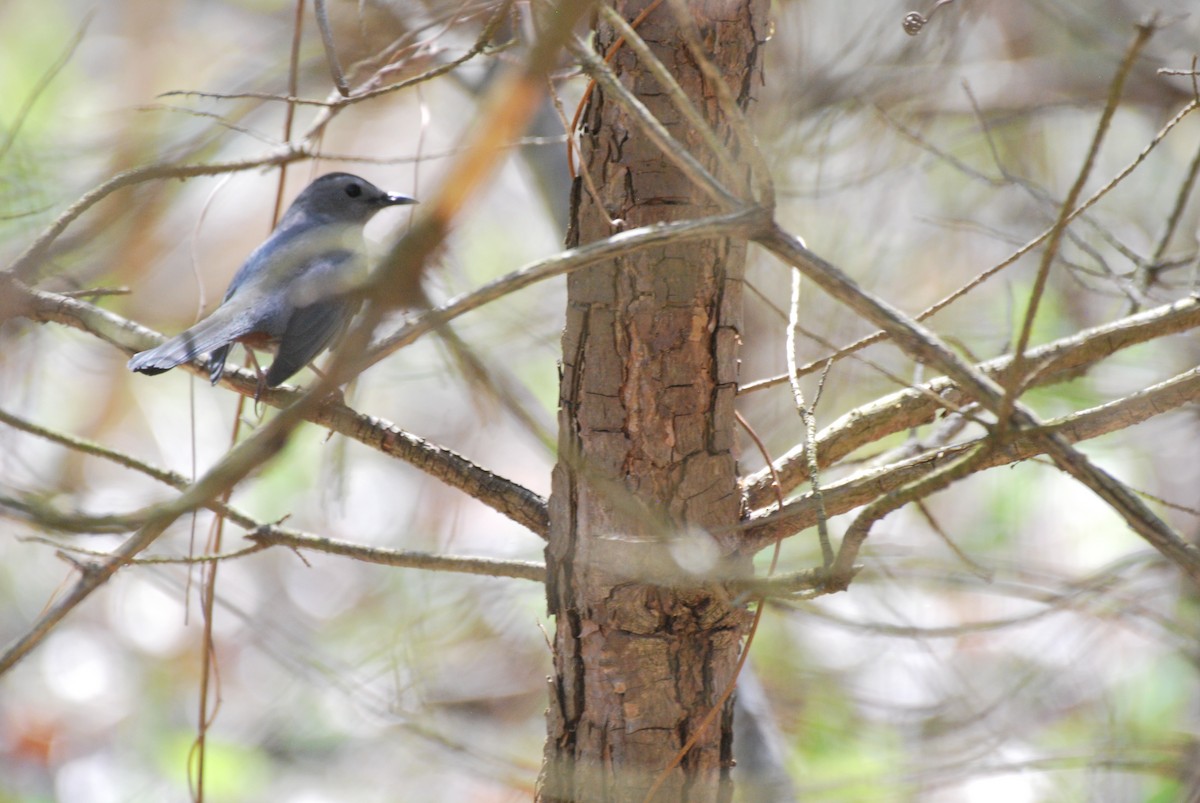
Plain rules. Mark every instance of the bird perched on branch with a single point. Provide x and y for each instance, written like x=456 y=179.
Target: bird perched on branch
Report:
x=295 y=292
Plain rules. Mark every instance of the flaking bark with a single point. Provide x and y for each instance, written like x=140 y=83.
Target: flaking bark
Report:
x=644 y=644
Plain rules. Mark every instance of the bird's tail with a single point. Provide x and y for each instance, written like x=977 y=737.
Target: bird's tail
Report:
x=210 y=336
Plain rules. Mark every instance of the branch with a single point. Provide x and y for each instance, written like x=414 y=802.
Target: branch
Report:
x=512 y=500
x=740 y=223
x=843 y=569
x=679 y=98
x=905 y=409
x=765 y=525
x=735 y=117
x=925 y=347
x=43 y=83
x=490 y=567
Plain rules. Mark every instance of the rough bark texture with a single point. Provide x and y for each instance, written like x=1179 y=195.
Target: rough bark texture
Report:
x=647 y=467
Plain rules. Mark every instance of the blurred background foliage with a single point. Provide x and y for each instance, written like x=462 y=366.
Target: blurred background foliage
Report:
x=1060 y=663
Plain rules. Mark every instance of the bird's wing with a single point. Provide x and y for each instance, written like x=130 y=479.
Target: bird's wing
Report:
x=309 y=330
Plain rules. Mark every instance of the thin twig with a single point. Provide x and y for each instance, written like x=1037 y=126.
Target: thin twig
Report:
x=335 y=105
x=946 y=301
x=810 y=425
x=1150 y=273
x=335 y=66
x=1066 y=213
x=490 y=567
x=25 y=267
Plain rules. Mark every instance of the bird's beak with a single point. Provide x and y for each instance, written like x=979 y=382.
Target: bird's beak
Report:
x=397 y=200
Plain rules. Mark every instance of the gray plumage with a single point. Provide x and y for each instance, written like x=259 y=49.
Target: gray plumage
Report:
x=294 y=291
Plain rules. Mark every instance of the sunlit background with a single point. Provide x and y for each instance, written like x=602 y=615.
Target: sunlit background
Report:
x=1051 y=657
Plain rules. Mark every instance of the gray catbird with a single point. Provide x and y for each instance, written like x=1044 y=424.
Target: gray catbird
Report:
x=294 y=292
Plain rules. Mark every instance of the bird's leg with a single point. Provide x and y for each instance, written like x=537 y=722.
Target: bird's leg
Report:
x=260 y=373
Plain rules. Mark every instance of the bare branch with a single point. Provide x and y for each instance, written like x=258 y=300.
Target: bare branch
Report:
x=747 y=144
x=766 y=525
x=741 y=223
x=905 y=409
x=490 y=567
x=926 y=347
x=240 y=461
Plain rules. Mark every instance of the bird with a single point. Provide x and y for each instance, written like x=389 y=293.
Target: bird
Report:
x=295 y=292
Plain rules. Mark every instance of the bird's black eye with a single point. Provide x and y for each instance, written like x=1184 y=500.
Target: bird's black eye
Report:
x=354 y=190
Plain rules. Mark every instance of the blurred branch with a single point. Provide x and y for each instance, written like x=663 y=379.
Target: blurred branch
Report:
x=265 y=536
x=231 y=469
x=1057 y=361
x=159 y=560
x=335 y=64
x=85 y=446
x=1094 y=594
x=43 y=83
x=1149 y=273
x=741 y=223
x=369 y=89
x=678 y=97
x=25 y=267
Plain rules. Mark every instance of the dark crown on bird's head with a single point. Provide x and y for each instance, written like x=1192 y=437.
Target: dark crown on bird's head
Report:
x=344 y=197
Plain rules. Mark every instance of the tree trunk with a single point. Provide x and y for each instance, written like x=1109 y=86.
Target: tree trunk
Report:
x=645 y=644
